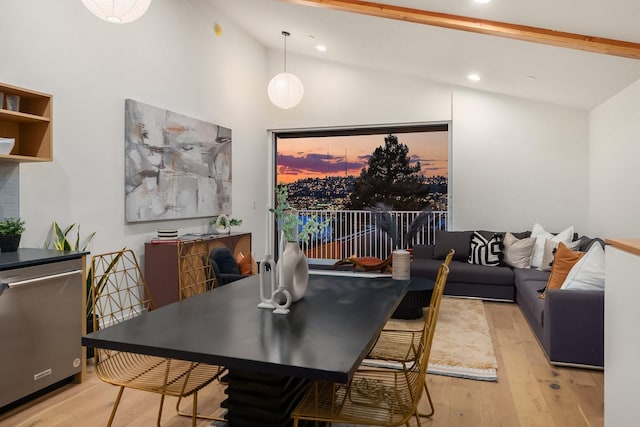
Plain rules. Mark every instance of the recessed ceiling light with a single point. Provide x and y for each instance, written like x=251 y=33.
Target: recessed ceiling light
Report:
x=473 y=77
x=321 y=48
x=531 y=77
x=482 y=1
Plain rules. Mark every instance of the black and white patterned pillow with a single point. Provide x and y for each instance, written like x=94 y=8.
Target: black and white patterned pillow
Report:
x=485 y=251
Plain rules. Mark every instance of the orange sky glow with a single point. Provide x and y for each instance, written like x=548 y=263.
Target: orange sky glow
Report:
x=300 y=158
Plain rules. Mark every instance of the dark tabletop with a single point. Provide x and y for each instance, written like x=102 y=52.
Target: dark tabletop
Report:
x=325 y=336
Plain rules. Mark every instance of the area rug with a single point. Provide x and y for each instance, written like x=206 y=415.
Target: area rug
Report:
x=462 y=345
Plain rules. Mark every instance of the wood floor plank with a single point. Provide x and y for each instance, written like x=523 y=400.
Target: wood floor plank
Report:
x=530 y=403
x=524 y=395
x=499 y=409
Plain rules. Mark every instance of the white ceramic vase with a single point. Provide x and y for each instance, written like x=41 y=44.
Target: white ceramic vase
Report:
x=293 y=271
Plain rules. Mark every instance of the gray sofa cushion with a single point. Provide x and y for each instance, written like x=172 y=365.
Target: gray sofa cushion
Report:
x=528 y=283
x=447 y=240
x=586 y=242
x=462 y=271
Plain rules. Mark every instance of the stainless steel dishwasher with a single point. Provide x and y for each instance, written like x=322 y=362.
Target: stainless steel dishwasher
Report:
x=40 y=327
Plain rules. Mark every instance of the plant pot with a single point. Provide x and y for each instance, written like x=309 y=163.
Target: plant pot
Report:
x=10 y=243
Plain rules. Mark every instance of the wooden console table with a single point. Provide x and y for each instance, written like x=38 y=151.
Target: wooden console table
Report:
x=161 y=264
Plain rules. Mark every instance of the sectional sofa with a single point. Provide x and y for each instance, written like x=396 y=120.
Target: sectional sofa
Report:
x=569 y=324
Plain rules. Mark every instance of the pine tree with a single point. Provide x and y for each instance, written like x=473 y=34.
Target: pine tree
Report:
x=389 y=178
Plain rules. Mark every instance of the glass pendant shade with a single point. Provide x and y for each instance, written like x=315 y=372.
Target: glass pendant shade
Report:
x=285 y=90
x=117 y=11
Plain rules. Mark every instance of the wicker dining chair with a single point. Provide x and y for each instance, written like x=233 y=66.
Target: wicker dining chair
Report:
x=195 y=273
x=119 y=293
x=398 y=346
x=376 y=396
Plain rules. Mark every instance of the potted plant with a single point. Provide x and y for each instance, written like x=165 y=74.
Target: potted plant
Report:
x=293 y=268
x=295 y=229
x=221 y=224
x=11 y=230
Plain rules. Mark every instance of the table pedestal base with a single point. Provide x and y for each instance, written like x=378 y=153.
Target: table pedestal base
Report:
x=258 y=399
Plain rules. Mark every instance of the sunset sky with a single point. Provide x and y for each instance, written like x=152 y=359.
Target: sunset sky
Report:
x=300 y=158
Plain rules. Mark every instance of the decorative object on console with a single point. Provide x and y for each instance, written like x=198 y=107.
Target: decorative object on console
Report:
x=285 y=90
x=168 y=234
x=486 y=251
x=221 y=224
x=11 y=230
x=176 y=166
x=117 y=11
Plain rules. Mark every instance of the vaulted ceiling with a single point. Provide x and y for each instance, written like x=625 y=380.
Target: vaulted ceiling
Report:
x=559 y=75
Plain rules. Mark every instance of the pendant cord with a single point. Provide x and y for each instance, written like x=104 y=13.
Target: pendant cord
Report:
x=285 y=34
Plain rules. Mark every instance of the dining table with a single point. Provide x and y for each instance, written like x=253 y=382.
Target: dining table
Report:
x=271 y=358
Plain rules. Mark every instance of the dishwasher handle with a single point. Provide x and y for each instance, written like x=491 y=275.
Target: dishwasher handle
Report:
x=39 y=279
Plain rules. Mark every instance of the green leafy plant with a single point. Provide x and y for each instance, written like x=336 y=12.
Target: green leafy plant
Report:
x=61 y=238
x=289 y=221
x=11 y=227
x=233 y=222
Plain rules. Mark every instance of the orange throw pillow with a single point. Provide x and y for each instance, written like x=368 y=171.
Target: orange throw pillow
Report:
x=563 y=262
x=244 y=263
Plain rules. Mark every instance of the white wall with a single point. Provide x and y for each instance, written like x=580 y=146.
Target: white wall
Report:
x=614 y=174
x=516 y=162
x=170 y=58
x=343 y=95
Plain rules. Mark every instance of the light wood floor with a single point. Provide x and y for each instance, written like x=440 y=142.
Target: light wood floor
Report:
x=529 y=392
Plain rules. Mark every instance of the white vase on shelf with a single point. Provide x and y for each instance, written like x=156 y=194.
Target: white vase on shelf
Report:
x=293 y=270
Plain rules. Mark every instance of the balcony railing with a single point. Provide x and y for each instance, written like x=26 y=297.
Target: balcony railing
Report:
x=354 y=233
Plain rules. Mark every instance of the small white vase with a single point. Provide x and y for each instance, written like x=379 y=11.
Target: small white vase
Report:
x=294 y=271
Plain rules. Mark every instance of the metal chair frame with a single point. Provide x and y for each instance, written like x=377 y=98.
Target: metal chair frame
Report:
x=377 y=396
x=396 y=345
x=118 y=293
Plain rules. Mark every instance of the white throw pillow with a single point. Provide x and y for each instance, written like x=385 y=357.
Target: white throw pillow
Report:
x=588 y=273
x=541 y=235
x=517 y=252
x=550 y=247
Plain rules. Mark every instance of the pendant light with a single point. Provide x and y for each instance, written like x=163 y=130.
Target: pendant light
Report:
x=117 y=11
x=285 y=90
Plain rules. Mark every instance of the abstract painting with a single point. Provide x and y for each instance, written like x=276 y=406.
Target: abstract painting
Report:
x=176 y=166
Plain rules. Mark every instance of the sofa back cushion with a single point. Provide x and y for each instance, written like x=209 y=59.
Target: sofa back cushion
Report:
x=458 y=240
x=517 y=252
x=486 y=251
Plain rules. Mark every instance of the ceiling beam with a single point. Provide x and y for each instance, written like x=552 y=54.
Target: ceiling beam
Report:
x=493 y=28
